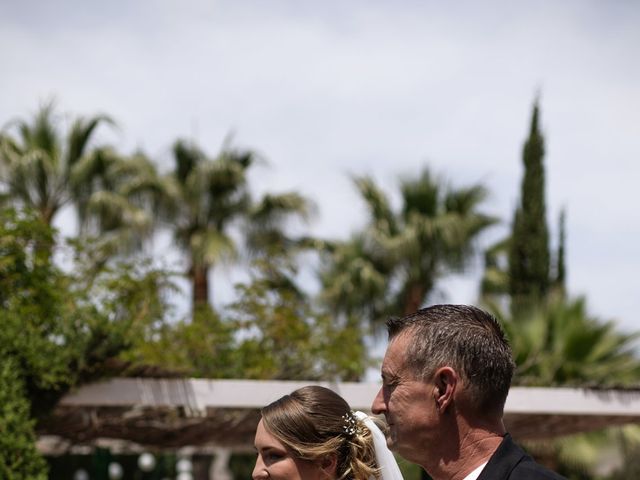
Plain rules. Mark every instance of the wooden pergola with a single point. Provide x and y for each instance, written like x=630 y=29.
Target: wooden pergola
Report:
x=132 y=414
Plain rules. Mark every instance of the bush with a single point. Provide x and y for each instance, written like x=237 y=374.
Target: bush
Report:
x=19 y=458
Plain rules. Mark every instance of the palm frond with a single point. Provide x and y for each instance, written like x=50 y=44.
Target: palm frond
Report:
x=381 y=213
x=80 y=135
x=212 y=247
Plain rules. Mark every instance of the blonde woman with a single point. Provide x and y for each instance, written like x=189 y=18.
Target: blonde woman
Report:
x=312 y=434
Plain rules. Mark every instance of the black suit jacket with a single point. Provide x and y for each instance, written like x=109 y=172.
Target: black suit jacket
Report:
x=510 y=462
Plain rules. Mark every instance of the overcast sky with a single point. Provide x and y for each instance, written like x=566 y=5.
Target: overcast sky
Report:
x=325 y=89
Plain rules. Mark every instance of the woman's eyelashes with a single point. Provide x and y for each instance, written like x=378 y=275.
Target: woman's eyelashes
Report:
x=271 y=456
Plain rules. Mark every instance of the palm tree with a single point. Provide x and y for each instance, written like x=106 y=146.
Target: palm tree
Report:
x=354 y=280
x=560 y=344
x=269 y=243
x=36 y=162
x=203 y=197
x=267 y=222
x=397 y=260
x=116 y=199
x=113 y=195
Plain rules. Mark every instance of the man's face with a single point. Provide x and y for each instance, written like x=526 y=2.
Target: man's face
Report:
x=407 y=403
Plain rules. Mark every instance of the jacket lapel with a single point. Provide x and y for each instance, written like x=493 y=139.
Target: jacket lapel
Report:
x=503 y=461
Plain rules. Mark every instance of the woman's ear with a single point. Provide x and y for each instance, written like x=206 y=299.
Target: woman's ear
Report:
x=329 y=465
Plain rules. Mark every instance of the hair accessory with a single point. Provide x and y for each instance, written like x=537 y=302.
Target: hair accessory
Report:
x=350 y=426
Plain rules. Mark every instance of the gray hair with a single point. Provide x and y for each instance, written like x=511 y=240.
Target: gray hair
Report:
x=467 y=339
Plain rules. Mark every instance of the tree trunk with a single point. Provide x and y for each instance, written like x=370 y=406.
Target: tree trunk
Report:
x=44 y=246
x=413 y=298
x=200 y=285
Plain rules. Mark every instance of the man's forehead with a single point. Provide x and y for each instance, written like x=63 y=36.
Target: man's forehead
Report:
x=395 y=356
x=399 y=343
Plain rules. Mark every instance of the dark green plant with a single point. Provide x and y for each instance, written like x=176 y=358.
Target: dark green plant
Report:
x=37 y=160
x=19 y=459
x=629 y=441
x=560 y=268
x=529 y=262
x=57 y=329
x=272 y=331
x=561 y=344
x=203 y=196
x=393 y=265
x=38 y=331
x=284 y=336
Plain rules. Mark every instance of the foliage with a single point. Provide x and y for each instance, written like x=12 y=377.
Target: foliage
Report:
x=284 y=337
x=19 y=458
x=32 y=362
x=123 y=304
x=202 y=197
x=58 y=329
x=63 y=329
x=271 y=332
x=555 y=340
x=201 y=346
x=393 y=265
x=115 y=196
x=411 y=471
x=529 y=278
x=37 y=160
x=109 y=314
x=38 y=330
x=560 y=269
x=520 y=269
x=45 y=169
x=495 y=280
x=560 y=344
x=608 y=454
x=267 y=219
x=629 y=440
x=354 y=280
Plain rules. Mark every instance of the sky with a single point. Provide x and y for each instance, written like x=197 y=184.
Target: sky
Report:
x=325 y=90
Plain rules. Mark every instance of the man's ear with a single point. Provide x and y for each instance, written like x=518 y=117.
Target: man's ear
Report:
x=329 y=465
x=446 y=381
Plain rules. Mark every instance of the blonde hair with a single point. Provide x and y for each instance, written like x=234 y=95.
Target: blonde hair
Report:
x=311 y=423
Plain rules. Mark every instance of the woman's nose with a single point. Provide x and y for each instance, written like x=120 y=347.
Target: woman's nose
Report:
x=259 y=471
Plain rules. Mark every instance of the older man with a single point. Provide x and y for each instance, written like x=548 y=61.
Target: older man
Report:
x=445 y=379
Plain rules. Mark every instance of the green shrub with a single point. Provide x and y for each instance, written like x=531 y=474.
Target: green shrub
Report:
x=19 y=458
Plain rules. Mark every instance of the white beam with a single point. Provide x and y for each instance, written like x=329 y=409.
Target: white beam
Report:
x=200 y=394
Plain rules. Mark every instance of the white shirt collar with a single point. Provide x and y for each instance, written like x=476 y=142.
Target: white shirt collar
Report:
x=476 y=473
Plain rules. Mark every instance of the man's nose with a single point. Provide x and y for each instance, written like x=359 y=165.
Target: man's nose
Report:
x=378 y=406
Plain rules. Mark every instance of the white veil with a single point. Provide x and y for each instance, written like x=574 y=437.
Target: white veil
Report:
x=386 y=461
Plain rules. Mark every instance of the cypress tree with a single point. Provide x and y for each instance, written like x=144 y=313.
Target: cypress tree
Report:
x=529 y=278
x=559 y=280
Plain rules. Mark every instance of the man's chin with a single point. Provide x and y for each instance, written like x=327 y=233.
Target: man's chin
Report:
x=391 y=443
